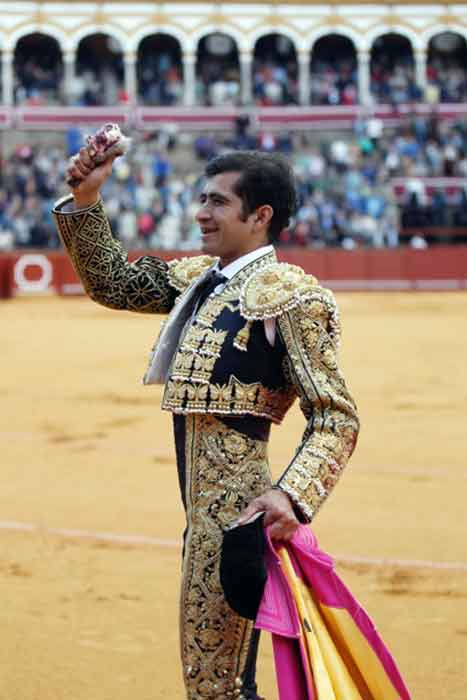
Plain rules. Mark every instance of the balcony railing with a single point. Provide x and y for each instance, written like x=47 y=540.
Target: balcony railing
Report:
x=220 y=119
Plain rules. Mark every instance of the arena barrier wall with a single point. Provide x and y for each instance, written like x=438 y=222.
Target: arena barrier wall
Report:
x=438 y=268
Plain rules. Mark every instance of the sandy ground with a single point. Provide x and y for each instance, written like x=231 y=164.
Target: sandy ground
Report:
x=85 y=447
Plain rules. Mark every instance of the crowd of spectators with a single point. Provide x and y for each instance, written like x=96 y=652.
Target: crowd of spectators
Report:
x=160 y=79
x=393 y=80
x=217 y=83
x=95 y=88
x=275 y=83
x=98 y=74
x=37 y=83
x=346 y=187
x=334 y=82
x=30 y=180
x=333 y=75
x=447 y=81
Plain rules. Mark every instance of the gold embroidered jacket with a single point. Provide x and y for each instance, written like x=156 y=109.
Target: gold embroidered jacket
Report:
x=222 y=364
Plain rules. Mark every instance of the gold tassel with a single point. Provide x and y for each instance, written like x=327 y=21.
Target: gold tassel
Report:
x=243 y=336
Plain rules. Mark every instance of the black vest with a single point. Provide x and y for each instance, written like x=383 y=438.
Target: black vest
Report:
x=225 y=364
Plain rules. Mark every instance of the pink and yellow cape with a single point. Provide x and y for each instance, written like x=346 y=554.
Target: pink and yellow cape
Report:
x=325 y=645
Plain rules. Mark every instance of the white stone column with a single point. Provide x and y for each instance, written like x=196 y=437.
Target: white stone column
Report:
x=304 y=77
x=69 y=58
x=246 y=83
x=364 y=93
x=189 y=78
x=129 y=76
x=7 y=78
x=420 y=56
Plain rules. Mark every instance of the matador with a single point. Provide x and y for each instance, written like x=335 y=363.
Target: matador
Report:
x=246 y=335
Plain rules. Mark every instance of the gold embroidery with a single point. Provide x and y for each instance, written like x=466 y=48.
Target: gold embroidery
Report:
x=197 y=355
x=175 y=394
x=181 y=273
x=225 y=470
x=235 y=398
x=243 y=336
x=274 y=289
x=192 y=366
x=202 y=368
x=203 y=340
x=310 y=332
x=196 y=393
x=247 y=393
x=212 y=309
x=103 y=266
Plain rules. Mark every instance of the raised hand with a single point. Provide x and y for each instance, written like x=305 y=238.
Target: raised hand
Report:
x=86 y=178
x=89 y=169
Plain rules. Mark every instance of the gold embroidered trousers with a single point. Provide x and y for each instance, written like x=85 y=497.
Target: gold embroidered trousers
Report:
x=221 y=470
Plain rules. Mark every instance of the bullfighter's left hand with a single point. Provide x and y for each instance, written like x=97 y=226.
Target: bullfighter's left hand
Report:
x=278 y=514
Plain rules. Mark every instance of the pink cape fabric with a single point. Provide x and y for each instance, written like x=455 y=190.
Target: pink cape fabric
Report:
x=278 y=614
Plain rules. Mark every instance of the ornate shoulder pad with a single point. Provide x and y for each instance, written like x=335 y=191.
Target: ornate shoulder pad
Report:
x=273 y=290
x=183 y=272
x=281 y=287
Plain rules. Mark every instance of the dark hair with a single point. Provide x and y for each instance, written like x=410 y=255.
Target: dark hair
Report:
x=265 y=178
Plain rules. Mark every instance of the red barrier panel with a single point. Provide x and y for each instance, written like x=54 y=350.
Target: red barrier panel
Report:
x=385 y=265
x=5 y=286
x=448 y=264
x=340 y=265
x=441 y=267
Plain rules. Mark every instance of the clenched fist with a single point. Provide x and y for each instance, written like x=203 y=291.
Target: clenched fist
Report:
x=90 y=168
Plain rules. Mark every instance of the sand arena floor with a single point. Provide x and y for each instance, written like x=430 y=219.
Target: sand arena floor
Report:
x=85 y=447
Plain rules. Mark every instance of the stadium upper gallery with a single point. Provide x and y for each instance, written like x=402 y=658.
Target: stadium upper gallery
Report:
x=367 y=100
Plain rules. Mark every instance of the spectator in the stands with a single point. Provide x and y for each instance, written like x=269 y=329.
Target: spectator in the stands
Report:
x=393 y=77
x=447 y=76
x=334 y=82
x=37 y=80
x=161 y=80
x=217 y=84
x=274 y=83
x=345 y=185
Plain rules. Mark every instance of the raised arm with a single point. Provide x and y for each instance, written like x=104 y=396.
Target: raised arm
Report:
x=99 y=260
x=102 y=264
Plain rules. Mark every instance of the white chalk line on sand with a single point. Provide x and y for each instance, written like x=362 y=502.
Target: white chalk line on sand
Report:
x=135 y=540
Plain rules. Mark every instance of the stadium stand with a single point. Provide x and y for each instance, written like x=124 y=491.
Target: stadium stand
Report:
x=368 y=187
x=373 y=120
x=222 y=67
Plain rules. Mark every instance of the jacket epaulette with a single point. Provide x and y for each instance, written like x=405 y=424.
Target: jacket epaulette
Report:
x=182 y=272
x=281 y=287
x=274 y=289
